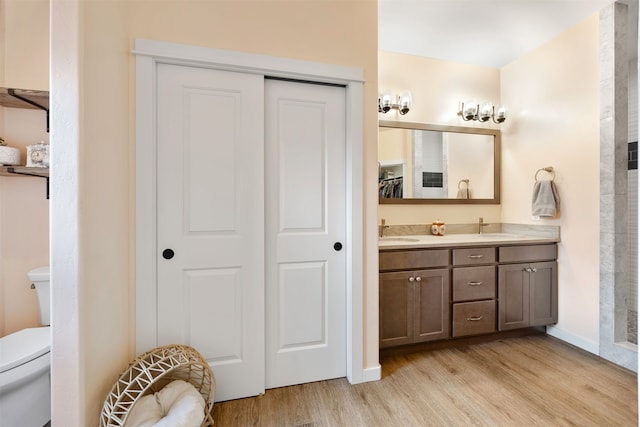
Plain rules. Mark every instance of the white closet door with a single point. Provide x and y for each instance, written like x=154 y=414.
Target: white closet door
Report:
x=210 y=205
x=305 y=232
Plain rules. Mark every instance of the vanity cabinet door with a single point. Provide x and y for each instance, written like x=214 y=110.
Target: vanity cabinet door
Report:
x=513 y=297
x=543 y=293
x=528 y=295
x=414 y=307
x=431 y=305
x=396 y=309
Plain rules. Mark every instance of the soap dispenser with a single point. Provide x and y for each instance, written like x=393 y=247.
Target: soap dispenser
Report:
x=438 y=228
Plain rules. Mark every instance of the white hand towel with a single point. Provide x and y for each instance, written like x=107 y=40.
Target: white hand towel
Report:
x=545 y=201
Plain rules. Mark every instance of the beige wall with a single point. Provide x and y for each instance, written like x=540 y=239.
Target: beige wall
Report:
x=24 y=208
x=436 y=87
x=553 y=97
x=336 y=32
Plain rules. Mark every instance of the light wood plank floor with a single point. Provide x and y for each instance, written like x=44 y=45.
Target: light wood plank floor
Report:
x=530 y=381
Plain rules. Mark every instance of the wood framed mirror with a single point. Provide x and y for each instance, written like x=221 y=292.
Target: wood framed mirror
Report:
x=435 y=164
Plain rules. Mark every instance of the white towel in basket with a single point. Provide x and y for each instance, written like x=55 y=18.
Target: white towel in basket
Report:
x=178 y=404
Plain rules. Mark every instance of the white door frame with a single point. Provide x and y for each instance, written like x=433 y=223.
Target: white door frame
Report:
x=148 y=54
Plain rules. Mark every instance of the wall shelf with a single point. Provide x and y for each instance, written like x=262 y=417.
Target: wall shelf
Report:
x=23 y=170
x=32 y=100
x=26 y=171
x=25 y=98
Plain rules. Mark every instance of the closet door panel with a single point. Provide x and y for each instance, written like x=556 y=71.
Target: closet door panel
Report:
x=210 y=206
x=305 y=232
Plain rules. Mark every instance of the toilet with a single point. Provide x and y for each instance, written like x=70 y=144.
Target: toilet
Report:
x=25 y=385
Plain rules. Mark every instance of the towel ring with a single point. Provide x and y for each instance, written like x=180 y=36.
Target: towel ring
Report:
x=547 y=169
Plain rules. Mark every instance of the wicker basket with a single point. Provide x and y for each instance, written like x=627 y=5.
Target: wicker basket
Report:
x=151 y=371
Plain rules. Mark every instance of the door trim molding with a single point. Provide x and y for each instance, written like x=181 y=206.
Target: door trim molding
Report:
x=149 y=53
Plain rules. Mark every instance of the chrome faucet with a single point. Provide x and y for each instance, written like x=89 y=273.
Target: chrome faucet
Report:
x=383 y=227
x=481 y=224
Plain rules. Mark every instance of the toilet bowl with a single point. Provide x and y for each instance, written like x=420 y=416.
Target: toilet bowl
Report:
x=25 y=385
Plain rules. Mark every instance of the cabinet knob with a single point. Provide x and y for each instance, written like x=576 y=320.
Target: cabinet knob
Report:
x=535 y=270
x=418 y=279
x=411 y=279
x=528 y=270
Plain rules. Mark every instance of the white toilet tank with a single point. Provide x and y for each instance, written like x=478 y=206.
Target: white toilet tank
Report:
x=40 y=277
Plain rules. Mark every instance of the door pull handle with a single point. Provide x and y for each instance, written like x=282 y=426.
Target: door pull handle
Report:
x=168 y=254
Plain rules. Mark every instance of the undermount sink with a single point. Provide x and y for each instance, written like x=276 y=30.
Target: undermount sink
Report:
x=397 y=239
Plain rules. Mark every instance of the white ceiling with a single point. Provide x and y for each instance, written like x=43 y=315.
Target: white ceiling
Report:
x=490 y=33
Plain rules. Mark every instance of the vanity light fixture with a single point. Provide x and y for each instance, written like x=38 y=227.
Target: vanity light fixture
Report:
x=388 y=101
x=482 y=112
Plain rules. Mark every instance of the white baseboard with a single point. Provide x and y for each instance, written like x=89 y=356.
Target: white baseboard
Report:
x=572 y=339
x=372 y=374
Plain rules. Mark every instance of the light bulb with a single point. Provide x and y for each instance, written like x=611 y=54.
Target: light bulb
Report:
x=485 y=112
x=469 y=110
x=404 y=102
x=501 y=114
x=384 y=102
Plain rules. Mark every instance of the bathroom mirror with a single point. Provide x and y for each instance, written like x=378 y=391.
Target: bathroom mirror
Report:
x=433 y=164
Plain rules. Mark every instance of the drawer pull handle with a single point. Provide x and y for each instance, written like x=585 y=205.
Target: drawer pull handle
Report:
x=475 y=256
x=474 y=319
x=474 y=283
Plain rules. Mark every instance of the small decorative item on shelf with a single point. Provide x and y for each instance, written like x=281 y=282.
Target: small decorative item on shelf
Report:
x=438 y=228
x=38 y=155
x=9 y=156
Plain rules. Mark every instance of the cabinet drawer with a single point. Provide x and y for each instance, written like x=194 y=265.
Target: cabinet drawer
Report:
x=472 y=318
x=528 y=253
x=403 y=260
x=473 y=283
x=474 y=256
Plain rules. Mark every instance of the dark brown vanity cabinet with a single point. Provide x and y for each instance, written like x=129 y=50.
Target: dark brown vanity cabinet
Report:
x=453 y=292
x=527 y=286
x=414 y=303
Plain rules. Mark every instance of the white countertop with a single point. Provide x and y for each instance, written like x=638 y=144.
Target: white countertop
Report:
x=459 y=240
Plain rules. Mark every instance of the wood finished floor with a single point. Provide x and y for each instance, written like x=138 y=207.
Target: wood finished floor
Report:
x=530 y=381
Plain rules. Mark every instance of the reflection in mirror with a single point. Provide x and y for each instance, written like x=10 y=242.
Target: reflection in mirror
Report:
x=421 y=163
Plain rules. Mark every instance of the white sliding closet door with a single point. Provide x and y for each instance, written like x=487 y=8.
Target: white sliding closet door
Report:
x=305 y=232
x=210 y=218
